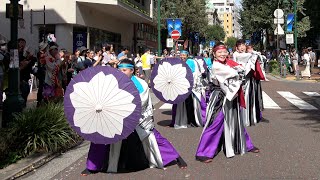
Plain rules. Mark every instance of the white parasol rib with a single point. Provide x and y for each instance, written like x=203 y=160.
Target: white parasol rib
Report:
x=101 y=106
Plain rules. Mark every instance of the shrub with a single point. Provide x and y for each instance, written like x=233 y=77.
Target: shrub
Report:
x=42 y=129
x=274 y=67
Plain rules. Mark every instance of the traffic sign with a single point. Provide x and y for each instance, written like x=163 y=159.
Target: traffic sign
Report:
x=212 y=43
x=279 y=30
x=278 y=13
x=278 y=21
x=289 y=39
x=175 y=34
x=170 y=43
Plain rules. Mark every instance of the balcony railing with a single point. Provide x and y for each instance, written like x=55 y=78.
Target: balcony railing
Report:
x=137 y=6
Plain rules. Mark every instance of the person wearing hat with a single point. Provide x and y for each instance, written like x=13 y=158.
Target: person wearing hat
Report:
x=189 y=112
x=41 y=73
x=52 y=89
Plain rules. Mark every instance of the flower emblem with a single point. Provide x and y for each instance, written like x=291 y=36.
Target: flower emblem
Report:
x=101 y=106
x=171 y=81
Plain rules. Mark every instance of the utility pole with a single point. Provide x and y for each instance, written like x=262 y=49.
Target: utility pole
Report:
x=159 y=30
x=295 y=25
x=14 y=101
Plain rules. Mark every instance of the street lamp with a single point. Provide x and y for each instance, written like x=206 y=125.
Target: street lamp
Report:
x=14 y=101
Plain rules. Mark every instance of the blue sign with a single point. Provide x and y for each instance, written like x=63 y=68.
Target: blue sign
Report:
x=79 y=39
x=212 y=43
x=290 y=21
x=174 y=24
x=196 y=37
x=248 y=42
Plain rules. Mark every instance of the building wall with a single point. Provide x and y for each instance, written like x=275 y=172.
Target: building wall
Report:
x=228 y=24
x=228 y=15
x=64 y=14
x=91 y=18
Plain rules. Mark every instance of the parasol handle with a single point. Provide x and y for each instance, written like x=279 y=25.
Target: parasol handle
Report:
x=98 y=108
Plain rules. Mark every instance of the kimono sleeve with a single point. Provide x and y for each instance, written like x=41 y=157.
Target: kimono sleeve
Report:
x=228 y=79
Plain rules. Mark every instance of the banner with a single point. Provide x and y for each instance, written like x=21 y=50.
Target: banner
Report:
x=290 y=21
x=174 y=24
x=79 y=39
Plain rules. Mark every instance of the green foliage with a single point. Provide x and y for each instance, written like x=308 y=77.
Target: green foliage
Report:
x=231 y=42
x=12 y=157
x=42 y=129
x=258 y=14
x=312 y=10
x=274 y=67
x=192 y=12
x=214 y=32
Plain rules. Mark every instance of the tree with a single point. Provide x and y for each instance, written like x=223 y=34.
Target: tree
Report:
x=313 y=11
x=192 y=12
x=257 y=15
x=231 y=42
x=214 y=32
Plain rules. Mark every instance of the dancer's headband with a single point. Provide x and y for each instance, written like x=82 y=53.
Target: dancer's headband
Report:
x=129 y=66
x=220 y=47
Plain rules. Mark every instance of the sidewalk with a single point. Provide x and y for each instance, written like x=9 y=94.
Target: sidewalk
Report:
x=58 y=161
x=315 y=76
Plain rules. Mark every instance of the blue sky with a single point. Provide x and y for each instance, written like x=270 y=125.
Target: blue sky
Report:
x=238 y=2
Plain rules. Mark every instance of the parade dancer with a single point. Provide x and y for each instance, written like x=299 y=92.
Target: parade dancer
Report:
x=224 y=126
x=52 y=88
x=189 y=112
x=144 y=148
x=252 y=114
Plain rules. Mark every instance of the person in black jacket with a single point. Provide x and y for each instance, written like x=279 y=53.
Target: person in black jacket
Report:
x=27 y=61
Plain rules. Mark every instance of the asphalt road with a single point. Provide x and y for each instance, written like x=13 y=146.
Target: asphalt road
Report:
x=289 y=140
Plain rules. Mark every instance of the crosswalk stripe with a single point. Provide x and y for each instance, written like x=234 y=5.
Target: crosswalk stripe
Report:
x=166 y=106
x=268 y=103
x=312 y=94
x=295 y=100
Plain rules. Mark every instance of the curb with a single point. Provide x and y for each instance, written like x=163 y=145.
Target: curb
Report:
x=38 y=162
x=291 y=80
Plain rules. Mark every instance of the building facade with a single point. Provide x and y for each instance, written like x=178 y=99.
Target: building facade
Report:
x=228 y=15
x=81 y=22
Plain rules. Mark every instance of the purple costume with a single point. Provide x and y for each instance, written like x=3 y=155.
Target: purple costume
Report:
x=192 y=112
x=224 y=126
x=144 y=148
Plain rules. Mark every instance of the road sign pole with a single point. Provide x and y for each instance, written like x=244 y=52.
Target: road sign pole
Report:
x=14 y=101
x=159 y=30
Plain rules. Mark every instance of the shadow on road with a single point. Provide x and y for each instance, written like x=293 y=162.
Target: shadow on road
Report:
x=166 y=112
x=164 y=123
x=264 y=120
x=308 y=119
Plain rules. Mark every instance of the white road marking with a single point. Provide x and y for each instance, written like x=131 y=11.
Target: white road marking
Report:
x=312 y=94
x=166 y=106
x=268 y=103
x=295 y=100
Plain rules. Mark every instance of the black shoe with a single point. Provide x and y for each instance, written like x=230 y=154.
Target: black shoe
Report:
x=181 y=163
x=87 y=172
